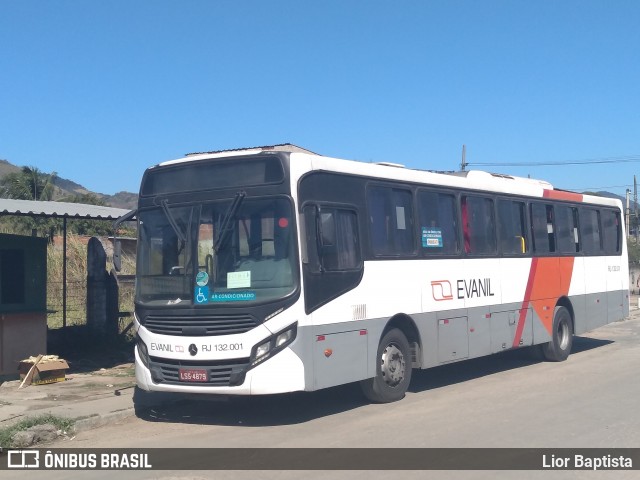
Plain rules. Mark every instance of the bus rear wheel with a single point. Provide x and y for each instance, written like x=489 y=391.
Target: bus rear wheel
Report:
x=393 y=369
x=558 y=349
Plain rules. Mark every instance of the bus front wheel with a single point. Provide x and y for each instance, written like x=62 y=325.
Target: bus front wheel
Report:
x=558 y=349
x=393 y=369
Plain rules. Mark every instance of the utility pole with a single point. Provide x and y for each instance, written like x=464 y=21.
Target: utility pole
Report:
x=635 y=206
x=463 y=164
x=627 y=213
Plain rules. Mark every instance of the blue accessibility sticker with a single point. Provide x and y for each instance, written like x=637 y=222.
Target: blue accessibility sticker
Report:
x=201 y=295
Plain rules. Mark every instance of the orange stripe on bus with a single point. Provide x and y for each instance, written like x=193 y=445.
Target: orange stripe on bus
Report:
x=552 y=281
x=549 y=279
x=561 y=195
x=525 y=304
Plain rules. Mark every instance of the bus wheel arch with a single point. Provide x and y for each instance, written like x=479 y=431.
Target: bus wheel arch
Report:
x=394 y=361
x=566 y=303
x=407 y=326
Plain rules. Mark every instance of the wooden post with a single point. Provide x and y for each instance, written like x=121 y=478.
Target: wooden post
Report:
x=64 y=272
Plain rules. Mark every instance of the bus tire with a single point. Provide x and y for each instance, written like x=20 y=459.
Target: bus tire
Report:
x=558 y=349
x=393 y=369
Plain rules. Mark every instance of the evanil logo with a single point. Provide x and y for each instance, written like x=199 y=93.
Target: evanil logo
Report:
x=467 y=288
x=474 y=288
x=441 y=290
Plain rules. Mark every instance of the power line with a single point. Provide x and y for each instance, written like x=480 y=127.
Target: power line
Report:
x=598 y=188
x=593 y=161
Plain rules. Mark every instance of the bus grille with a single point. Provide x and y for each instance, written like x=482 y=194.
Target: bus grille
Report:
x=200 y=325
x=220 y=373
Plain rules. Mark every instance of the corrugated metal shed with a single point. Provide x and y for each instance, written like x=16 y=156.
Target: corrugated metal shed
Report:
x=31 y=208
x=64 y=210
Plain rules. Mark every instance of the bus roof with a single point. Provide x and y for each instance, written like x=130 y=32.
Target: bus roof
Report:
x=473 y=179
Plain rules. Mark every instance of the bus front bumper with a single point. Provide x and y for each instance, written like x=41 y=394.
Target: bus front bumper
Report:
x=281 y=373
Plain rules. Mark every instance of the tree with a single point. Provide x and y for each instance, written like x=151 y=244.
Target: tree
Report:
x=89 y=227
x=28 y=184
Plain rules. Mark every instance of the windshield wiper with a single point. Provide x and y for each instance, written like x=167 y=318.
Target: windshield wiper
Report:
x=172 y=222
x=225 y=225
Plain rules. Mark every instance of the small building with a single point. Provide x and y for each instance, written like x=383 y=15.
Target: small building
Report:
x=23 y=299
x=23 y=278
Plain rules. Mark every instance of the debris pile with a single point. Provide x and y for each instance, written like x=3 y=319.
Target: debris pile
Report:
x=42 y=369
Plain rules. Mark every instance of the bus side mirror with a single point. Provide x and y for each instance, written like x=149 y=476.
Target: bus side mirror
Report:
x=117 y=247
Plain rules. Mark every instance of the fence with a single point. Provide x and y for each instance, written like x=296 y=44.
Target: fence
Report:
x=77 y=302
x=126 y=293
x=77 y=269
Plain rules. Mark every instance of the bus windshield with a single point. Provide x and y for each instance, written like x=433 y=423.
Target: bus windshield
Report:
x=225 y=252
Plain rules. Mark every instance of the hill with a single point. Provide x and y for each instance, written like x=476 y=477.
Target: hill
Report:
x=6 y=167
x=608 y=195
x=632 y=204
x=65 y=188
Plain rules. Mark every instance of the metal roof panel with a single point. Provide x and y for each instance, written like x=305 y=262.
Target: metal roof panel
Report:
x=10 y=206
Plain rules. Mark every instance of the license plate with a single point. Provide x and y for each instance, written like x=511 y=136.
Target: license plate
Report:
x=193 y=375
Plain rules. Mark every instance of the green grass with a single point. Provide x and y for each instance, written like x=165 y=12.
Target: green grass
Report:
x=7 y=433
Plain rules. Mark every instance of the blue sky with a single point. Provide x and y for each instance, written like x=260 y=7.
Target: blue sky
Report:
x=99 y=90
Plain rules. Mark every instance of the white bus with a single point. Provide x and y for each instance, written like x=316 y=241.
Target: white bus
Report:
x=262 y=271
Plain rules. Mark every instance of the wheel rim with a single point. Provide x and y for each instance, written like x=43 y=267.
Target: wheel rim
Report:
x=563 y=334
x=392 y=365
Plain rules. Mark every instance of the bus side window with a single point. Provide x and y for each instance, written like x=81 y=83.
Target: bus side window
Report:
x=611 y=231
x=438 y=223
x=567 y=229
x=512 y=227
x=590 y=231
x=333 y=242
x=542 y=228
x=391 y=221
x=478 y=225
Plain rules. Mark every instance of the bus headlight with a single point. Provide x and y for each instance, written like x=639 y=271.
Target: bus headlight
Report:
x=263 y=349
x=273 y=344
x=284 y=338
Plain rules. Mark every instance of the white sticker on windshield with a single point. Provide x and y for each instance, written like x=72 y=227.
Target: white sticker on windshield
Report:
x=239 y=279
